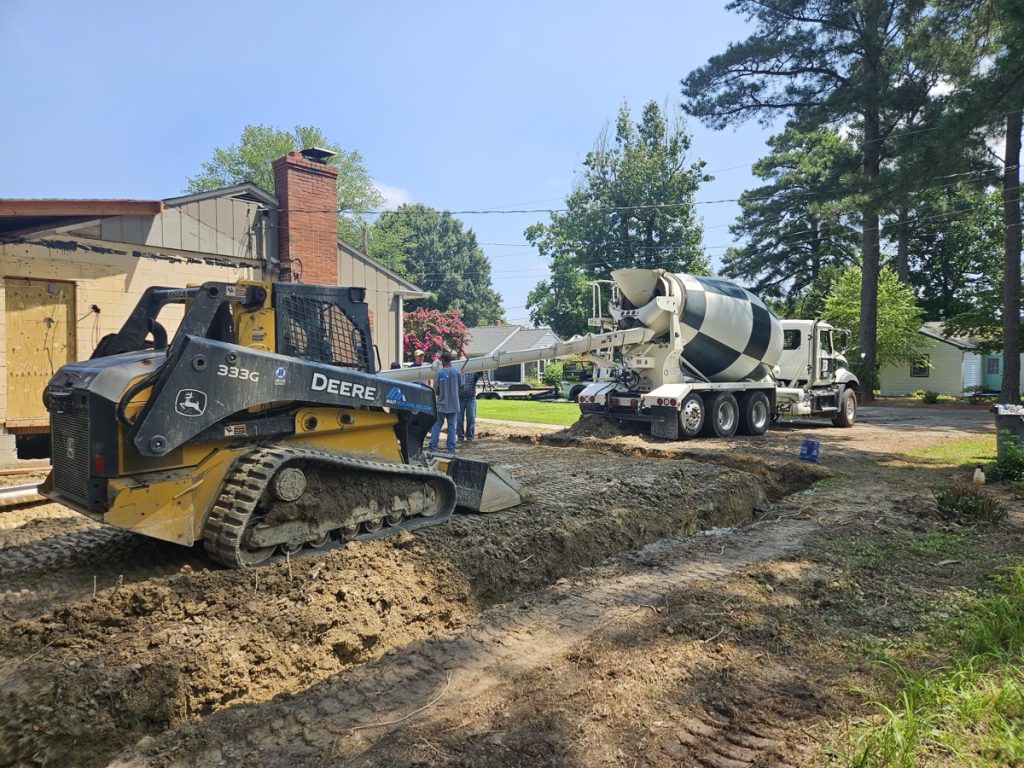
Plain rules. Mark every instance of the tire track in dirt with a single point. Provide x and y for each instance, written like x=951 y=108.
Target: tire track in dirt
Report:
x=434 y=682
x=171 y=649
x=50 y=555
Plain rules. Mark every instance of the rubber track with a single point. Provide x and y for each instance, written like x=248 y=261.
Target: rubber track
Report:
x=245 y=485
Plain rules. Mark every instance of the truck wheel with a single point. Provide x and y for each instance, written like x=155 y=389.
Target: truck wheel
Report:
x=755 y=414
x=847 y=409
x=691 y=416
x=574 y=393
x=722 y=415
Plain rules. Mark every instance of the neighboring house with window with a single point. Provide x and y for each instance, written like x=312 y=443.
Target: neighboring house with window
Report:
x=946 y=364
x=489 y=339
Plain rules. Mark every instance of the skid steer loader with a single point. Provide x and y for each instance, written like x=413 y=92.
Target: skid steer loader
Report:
x=261 y=429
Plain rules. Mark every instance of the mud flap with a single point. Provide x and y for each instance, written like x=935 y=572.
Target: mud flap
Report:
x=665 y=422
x=482 y=487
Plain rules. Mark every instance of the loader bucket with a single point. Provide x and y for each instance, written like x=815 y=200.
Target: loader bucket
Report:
x=482 y=487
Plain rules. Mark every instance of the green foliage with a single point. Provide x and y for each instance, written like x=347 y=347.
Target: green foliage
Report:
x=969 y=502
x=899 y=319
x=796 y=226
x=260 y=145
x=432 y=249
x=434 y=332
x=552 y=375
x=633 y=206
x=955 y=255
x=563 y=301
x=1010 y=461
x=864 y=65
x=966 y=711
x=930 y=397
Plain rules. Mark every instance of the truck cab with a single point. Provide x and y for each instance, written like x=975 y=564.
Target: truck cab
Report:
x=812 y=353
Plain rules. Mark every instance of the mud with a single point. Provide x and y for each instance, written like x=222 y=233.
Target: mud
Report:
x=489 y=640
x=100 y=673
x=157 y=649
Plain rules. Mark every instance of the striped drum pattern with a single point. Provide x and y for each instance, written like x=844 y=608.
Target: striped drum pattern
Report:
x=727 y=333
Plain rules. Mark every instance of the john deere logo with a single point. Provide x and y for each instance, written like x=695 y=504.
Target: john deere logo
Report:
x=190 y=402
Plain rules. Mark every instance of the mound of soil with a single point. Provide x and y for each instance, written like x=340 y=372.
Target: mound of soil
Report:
x=101 y=673
x=157 y=650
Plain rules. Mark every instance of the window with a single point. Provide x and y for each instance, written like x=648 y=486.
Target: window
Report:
x=791 y=339
x=825 y=341
x=992 y=366
x=921 y=369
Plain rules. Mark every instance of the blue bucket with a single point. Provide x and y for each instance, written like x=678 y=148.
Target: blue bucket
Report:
x=810 y=450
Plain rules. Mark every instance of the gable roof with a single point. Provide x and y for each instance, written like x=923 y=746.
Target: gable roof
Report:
x=936 y=330
x=488 y=339
x=247 y=190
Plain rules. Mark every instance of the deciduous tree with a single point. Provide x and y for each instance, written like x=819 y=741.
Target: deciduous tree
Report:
x=434 y=332
x=899 y=319
x=260 y=145
x=433 y=250
x=632 y=206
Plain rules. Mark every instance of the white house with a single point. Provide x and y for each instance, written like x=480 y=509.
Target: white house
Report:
x=948 y=365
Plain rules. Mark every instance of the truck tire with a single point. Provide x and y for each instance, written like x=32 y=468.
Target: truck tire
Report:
x=755 y=414
x=722 y=415
x=574 y=393
x=691 y=416
x=847 y=415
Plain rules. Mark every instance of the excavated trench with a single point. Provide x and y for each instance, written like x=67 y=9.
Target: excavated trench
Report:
x=172 y=641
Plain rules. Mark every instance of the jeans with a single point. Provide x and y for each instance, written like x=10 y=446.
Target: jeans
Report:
x=467 y=418
x=435 y=433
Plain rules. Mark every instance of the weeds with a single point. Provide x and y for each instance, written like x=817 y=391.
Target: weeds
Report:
x=1010 y=463
x=968 y=712
x=969 y=502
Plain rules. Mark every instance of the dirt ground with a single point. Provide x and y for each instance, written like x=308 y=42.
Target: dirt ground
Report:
x=708 y=603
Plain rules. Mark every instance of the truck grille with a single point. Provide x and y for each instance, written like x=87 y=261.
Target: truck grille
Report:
x=69 y=433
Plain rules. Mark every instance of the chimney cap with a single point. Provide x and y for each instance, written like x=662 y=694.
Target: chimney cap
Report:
x=317 y=154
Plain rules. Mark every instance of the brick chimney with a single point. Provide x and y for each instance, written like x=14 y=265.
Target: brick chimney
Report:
x=308 y=235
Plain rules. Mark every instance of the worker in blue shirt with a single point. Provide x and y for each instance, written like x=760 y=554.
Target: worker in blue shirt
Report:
x=446 y=386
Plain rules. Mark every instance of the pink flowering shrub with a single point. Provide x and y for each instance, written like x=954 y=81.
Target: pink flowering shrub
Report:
x=434 y=331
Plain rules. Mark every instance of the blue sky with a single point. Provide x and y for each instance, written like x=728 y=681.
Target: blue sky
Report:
x=458 y=105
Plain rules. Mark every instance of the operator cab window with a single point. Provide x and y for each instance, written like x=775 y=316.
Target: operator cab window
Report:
x=791 y=339
x=825 y=341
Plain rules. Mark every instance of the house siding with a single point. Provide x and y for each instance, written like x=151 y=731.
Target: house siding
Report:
x=222 y=226
x=946 y=375
x=383 y=295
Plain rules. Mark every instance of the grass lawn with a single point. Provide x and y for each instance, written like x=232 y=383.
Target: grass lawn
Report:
x=536 y=411
x=966 y=450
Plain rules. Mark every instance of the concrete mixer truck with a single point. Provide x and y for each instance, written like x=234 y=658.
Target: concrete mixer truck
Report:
x=695 y=355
